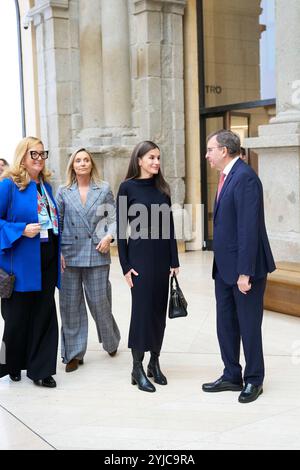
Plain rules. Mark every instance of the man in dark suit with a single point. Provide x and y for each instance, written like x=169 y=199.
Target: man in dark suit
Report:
x=242 y=259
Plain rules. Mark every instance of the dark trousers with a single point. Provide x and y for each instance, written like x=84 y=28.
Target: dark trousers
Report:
x=30 y=338
x=239 y=317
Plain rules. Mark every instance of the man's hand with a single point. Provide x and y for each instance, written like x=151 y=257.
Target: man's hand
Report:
x=243 y=283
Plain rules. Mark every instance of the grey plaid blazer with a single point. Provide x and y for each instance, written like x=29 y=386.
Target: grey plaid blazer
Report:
x=82 y=227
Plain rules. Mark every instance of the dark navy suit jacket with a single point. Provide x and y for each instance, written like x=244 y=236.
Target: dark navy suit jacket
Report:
x=241 y=244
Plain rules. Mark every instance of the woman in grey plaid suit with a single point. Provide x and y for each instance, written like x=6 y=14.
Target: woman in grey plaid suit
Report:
x=88 y=224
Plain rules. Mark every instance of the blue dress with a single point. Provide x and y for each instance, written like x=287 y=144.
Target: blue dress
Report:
x=151 y=257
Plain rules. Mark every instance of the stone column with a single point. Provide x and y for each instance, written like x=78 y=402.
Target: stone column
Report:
x=116 y=63
x=288 y=63
x=91 y=66
x=158 y=66
x=278 y=144
x=192 y=136
x=58 y=78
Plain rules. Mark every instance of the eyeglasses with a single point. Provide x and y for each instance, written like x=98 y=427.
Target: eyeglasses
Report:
x=35 y=155
x=210 y=149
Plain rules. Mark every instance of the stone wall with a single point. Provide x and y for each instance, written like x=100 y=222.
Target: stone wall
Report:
x=110 y=73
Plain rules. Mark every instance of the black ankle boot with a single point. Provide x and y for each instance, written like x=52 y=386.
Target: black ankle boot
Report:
x=154 y=370
x=138 y=376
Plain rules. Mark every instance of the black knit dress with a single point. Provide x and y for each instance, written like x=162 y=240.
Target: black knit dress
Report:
x=151 y=257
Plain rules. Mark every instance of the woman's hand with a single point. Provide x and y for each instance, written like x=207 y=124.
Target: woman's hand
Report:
x=31 y=230
x=62 y=263
x=174 y=271
x=104 y=245
x=129 y=278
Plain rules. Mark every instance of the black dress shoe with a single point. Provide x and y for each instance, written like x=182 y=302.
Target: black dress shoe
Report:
x=47 y=382
x=221 y=385
x=250 y=393
x=15 y=377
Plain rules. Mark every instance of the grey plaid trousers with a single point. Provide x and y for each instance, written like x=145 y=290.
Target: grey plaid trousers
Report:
x=94 y=282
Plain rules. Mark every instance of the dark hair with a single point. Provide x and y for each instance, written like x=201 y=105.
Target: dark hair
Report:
x=134 y=169
x=243 y=151
x=228 y=139
x=4 y=161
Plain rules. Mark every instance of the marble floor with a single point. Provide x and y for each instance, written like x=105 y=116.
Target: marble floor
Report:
x=96 y=407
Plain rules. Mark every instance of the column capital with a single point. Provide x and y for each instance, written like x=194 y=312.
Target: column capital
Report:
x=48 y=8
x=42 y=4
x=170 y=6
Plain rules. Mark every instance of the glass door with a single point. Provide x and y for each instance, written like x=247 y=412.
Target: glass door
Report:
x=238 y=123
x=209 y=177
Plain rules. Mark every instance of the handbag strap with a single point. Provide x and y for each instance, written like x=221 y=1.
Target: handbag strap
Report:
x=174 y=278
x=10 y=217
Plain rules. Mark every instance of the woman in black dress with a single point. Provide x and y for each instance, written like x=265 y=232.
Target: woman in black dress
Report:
x=147 y=258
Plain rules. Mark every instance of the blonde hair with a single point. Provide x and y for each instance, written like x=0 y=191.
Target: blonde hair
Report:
x=70 y=173
x=17 y=172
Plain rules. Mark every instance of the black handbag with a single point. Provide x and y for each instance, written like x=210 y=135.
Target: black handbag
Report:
x=7 y=281
x=177 y=302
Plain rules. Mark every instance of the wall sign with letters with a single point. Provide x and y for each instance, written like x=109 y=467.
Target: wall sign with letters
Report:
x=213 y=89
